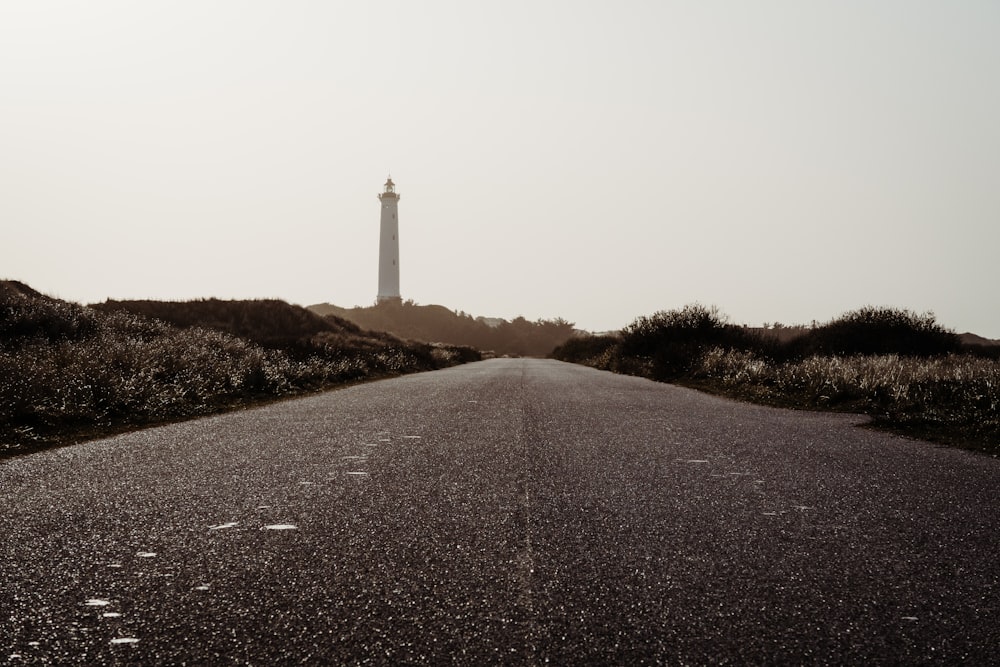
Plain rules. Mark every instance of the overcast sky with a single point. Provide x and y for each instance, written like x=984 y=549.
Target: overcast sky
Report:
x=783 y=160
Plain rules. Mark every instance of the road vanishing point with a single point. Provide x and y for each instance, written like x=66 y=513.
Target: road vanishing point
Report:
x=512 y=511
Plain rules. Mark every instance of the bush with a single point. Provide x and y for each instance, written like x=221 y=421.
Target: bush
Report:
x=26 y=316
x=590 y=350
x=873 y=330
x=952 y=396
x=267 y=322
x=66 y=368
x=673 y=341
x=898 y=367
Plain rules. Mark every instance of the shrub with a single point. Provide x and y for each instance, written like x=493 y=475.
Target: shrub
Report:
x=26 y=316
x=872 y=330
x=68 y=368
x=268 y=322
x=894 y=365
x=953 y=397
x=673 y=341
x=590 y=350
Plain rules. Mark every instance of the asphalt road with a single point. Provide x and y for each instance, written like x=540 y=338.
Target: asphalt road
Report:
x=504 y=512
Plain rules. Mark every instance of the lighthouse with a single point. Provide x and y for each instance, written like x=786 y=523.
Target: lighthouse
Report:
x=388 y=247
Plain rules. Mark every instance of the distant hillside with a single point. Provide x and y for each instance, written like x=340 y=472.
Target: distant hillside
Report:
x=972 y=339
x=519 y=337
x=70 y=371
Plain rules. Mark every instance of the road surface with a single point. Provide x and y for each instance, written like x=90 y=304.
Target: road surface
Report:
x=503 y=512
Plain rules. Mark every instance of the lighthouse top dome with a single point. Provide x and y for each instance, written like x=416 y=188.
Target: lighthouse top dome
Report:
x=390 y=190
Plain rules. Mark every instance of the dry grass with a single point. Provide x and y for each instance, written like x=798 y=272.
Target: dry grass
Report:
x=66 y=369
x=954 y=397
x=925 y=390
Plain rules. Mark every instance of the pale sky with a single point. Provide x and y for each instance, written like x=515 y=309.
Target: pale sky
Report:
x=783 y=160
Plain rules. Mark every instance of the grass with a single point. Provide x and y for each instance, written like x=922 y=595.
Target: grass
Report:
x=907 y=373
x=953 y=399
x=70 y=371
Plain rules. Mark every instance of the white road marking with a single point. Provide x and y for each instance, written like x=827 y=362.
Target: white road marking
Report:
x=224 y=526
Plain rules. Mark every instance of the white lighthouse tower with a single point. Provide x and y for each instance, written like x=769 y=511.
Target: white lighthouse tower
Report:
x=388 y=247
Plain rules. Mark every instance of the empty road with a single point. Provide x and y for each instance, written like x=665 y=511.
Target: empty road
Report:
x=503 y=512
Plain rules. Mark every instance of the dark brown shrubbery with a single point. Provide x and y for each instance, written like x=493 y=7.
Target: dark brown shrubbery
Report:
x=593 y=351
x=270 y=322
x=903 y=369
x=26 y=316
x=879 y=331
x=669 y=343
x=66 y=368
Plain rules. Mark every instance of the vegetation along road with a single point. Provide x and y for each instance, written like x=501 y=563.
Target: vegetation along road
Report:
x=508 y=511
